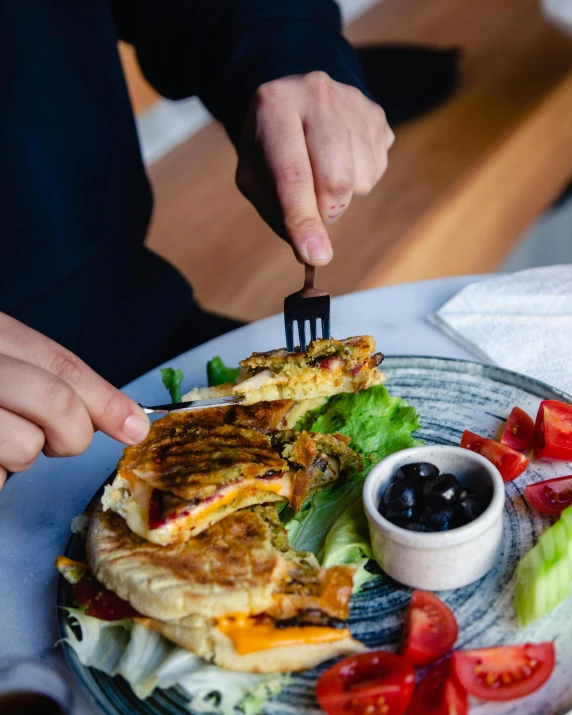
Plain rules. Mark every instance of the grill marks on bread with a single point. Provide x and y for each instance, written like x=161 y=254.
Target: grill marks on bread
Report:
x=243 y=563
x=193 y=461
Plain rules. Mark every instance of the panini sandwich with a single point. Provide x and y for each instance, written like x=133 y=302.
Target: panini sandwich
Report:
x=190 y=473
x=327 y=368
x=237 y=595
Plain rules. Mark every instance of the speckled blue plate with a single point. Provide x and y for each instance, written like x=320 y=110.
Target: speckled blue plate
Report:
x=450 y=396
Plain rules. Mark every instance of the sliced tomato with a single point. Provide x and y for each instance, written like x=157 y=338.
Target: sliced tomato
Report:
x=430 y=629
x=373 y=683
x=439 y=693
x=508 y=461
x=504 y=672
x=553 y=439
x=101 y=602
x=551 y=496
x=519 y=430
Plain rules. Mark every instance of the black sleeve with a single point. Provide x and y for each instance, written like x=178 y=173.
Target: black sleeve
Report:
x=222 y=50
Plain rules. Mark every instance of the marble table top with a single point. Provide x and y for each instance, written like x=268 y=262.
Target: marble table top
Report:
x=36 y=507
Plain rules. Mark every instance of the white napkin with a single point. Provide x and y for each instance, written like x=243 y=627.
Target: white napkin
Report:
x=521 y=321
x=559 y=12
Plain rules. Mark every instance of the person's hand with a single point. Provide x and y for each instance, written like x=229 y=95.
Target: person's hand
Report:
x=51 y=401
x=309 y=144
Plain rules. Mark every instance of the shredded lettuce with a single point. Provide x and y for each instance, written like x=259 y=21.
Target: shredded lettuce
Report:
x=146 y=652
x=214 y=690
x=218 y=373
x=259 y=694
x=172 y=380
x=102 y=643
x=147 y=661
x=332 y=523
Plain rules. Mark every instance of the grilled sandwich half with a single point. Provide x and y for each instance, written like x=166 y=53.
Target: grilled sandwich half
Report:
x=186 y=476
x=237 y=595
x=327 y=368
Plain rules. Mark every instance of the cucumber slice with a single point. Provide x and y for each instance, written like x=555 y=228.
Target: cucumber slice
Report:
x=544 y=575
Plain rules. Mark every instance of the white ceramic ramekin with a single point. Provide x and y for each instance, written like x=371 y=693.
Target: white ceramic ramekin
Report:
x=442 y=560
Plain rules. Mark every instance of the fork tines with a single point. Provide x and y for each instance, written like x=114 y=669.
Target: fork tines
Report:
x=307 y=305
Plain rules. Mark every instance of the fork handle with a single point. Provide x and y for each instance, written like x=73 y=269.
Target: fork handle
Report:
x=309 y=291
x=309 y=275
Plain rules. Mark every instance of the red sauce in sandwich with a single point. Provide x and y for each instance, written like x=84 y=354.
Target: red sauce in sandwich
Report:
x=101 y=602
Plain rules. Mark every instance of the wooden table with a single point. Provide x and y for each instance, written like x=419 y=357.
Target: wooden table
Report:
x=463 y=182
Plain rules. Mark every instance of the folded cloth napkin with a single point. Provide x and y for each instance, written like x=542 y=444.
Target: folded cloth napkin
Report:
x=559 y=12
x=521 y=321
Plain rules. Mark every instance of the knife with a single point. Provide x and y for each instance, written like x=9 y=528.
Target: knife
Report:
x=192 y=405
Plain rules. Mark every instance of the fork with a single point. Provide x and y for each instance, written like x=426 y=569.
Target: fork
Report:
x=308 y=304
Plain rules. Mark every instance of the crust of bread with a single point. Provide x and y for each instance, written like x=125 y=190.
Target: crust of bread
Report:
x=233 y=567
x=242 y=564
x=204 y=639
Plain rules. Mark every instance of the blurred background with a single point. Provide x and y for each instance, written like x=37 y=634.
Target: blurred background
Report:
x=479 y=175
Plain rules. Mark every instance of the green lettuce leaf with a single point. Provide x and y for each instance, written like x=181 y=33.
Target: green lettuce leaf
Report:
x=172 y=380
x=218 y=373
x=332 y=523
x=376 y=423
x=348 y=542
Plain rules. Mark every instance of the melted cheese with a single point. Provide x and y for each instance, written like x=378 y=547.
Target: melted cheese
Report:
x=203 y=511
x=72 y=571
x=250 y=636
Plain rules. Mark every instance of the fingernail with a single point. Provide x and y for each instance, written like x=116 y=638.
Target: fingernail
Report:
x=318 y=250
x=136 y=428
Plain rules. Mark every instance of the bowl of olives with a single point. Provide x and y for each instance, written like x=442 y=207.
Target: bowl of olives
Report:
x=435 y=516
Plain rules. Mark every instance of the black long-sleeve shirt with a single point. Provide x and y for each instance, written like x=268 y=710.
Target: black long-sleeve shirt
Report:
x=75 y=202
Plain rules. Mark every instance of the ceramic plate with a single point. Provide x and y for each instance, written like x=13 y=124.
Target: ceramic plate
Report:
x=450 y=396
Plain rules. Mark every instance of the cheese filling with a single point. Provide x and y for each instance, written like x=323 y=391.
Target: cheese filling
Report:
x=281 y=486
x=249 y=635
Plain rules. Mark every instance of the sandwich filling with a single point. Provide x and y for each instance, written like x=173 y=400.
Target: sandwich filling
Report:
x=328 y=367
x=185 y=476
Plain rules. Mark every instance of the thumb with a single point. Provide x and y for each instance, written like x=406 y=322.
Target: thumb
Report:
x=308 y=236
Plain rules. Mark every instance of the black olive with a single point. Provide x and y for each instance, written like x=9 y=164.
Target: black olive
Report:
x=442 y=520
x=402 y=493
x=442 y=490
x=421 y=470
x=414 y=526
x=483 y=496
x=399 y=515
x=470 y=507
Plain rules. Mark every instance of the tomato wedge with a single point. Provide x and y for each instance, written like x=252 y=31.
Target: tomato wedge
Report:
x=373 y=683
x=508 y=461
x=439 y=693
x=553 y=439
x=519 y=430
x=551 y=496
x=504 y=672
x=430 y=629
